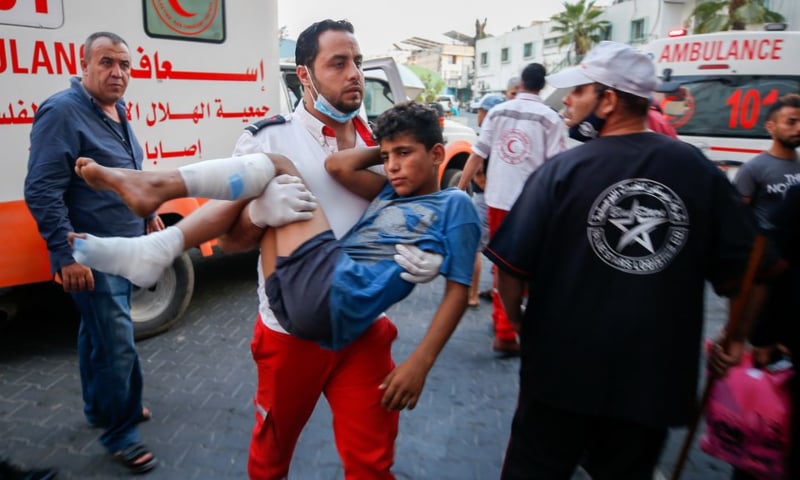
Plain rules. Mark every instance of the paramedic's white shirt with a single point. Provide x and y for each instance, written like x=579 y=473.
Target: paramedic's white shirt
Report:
x=517 y=136
x=301 y=140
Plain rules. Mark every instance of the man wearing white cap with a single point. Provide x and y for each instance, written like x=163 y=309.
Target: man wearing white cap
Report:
x=614 y=241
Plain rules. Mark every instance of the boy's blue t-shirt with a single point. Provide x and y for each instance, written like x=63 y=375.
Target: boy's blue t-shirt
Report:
x=367 y=279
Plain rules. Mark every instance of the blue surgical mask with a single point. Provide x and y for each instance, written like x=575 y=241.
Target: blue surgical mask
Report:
x=587 y=129
x=323 y=106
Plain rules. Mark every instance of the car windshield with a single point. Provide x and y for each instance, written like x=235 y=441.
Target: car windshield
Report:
x=724 y=105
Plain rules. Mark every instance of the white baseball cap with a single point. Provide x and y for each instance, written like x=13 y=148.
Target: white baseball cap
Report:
x=615 y=65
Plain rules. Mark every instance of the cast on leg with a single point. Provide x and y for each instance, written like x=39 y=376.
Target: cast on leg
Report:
x=228 y=178
x=139 y=259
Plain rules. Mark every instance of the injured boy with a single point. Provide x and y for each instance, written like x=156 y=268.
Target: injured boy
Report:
x=319 y=288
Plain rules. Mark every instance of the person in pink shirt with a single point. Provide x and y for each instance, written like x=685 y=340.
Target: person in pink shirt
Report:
x=657 y=122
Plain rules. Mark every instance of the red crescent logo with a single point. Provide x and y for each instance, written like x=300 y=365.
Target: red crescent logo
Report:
x=178 y=19
x=514 y=145
x=679 y=108
x=176 y=5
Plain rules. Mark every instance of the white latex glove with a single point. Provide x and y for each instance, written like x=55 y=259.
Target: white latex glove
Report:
x=420 y=266
x=285 y=200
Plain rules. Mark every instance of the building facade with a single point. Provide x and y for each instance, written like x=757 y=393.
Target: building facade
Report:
x=635 y=22
x=451 y=58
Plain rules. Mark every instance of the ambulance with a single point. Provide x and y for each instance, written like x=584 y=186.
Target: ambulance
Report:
x=202 y=70
x=719 y=87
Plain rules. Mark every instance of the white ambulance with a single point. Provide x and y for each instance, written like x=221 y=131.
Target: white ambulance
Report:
x=202 y=71
x=722 y=85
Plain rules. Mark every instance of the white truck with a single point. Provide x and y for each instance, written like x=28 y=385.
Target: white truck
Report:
x=202 y=71
x=721 y=86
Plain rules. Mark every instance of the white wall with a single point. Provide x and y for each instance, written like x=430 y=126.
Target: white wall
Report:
x=789 y=9
x=496 y=73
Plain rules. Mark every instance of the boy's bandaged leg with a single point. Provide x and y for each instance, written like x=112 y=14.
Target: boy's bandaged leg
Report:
x=141 y=260
x=228 y=178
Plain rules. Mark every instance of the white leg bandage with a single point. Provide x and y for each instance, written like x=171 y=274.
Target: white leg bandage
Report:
x=228 y=178
x=141 y=260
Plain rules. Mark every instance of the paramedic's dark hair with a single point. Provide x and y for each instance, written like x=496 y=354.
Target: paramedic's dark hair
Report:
x=789 y=100
x=87 y=45
x=307 y=48
x=533 y=77
x=416 y=119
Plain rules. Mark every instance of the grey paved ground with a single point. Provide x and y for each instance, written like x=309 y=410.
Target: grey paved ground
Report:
x=199 y=381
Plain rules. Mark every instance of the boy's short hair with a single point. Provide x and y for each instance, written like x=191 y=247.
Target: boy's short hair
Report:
x=418 y=120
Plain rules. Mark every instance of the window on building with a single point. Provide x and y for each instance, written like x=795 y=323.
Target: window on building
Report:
x=605 y=34
x=551 y=42
x=527 y=50
x=638 y=33
x=484 y=59
x=504 y=55
x=453 y=59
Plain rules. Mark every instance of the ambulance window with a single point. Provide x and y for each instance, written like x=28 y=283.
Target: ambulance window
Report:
x=192 y=20
x=377 y=97
x=293 y=87
x=724 y=106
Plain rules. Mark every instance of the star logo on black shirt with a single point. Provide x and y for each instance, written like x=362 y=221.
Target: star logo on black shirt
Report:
x=638 y=226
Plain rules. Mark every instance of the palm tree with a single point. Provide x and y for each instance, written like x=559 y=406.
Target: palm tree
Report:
x=580 y=28
x=480 y=31
x=719 y=15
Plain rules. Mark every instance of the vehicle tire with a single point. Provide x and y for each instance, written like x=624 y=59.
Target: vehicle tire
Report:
x=156 y=309
x=451 y=177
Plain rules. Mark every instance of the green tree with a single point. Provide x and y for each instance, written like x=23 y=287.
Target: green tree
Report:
x=720 y=15
x=580 y=28
x=434 y=83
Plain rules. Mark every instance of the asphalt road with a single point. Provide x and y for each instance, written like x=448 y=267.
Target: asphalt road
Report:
x=200 y=379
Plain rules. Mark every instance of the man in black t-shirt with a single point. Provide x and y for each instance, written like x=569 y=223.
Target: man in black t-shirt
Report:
x=779 y=329
x=785 y=230
x=614 y=240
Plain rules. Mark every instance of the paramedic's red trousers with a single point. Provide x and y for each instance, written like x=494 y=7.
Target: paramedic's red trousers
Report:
x=292 y=373
x=503 y=329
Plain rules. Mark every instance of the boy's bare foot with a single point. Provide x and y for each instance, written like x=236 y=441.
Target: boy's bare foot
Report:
x=142 y=192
